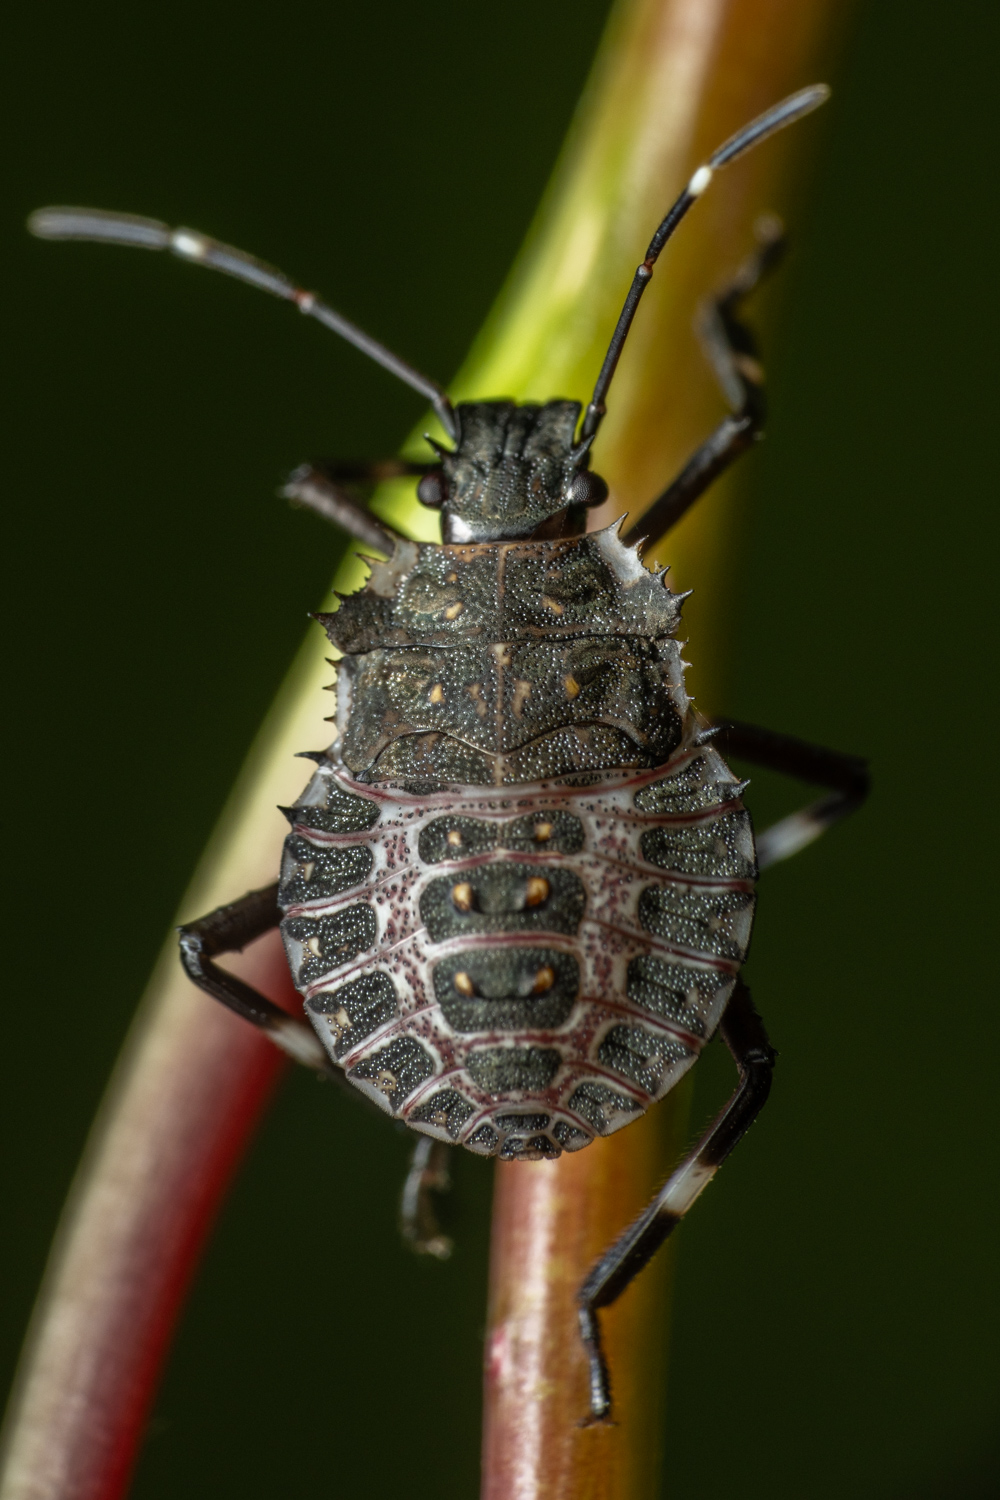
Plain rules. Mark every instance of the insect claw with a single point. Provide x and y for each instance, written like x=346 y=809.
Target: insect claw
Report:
x=319 y=756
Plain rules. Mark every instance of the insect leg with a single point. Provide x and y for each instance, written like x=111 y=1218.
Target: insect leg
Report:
x=846 y=776
x=428 y=1175
x=743 y=1032
x=229 y=929
x=731 y=349
x=319 y=490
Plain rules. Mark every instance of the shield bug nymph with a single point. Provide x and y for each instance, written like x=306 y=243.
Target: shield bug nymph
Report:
x=518 y=890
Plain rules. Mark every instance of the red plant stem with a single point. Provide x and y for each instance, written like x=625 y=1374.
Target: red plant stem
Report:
x=548 y=1220
x=182 y=1105
x=186 y=1096
x=718 y=63
x=193 y=1080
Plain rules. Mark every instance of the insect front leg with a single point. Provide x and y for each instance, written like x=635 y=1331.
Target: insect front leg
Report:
x=321 y=490
x=743 y=1032
x=229 y=929
x=320 y=487
x=846 y=776
x=731 y=348
x=428 y=1175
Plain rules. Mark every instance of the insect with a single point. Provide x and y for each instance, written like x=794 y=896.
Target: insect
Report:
x=518 y=889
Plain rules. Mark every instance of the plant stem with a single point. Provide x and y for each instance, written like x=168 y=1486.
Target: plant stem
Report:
x=673 y=78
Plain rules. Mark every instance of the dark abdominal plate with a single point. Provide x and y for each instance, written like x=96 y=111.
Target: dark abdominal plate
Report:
x=505 y=985
x=460 y=837
x=504 y=1070
x=503 y=897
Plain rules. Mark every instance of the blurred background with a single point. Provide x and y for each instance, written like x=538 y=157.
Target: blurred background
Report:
x=836 y=1305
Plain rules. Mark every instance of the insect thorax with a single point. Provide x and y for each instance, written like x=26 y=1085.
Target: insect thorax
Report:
x=519 y=887
x=510 y=662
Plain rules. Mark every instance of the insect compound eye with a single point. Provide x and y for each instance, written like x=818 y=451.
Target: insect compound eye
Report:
x=432 y=489
x=587 y=488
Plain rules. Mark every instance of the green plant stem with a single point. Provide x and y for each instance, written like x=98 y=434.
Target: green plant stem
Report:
x=673 y=78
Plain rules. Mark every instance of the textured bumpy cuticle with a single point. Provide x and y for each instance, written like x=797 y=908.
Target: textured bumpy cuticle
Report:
x=508 y=663
x=474 y=1025
x=519 y=888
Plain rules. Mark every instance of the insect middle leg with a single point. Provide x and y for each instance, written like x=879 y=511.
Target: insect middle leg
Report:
x=743 y=1032
x=846 y=776
x=732 y=350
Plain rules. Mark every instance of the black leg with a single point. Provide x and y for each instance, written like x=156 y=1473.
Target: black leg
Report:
x=743 y=1032
x=846 y=776
x=428 y=1175
x=732 y=350
x=321 y=490
x=229 y=929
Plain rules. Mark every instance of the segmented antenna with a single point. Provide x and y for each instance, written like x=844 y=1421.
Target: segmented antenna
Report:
x=790 y=109
x=150 y=234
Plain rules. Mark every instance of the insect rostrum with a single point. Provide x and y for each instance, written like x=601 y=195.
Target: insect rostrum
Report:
x=518 y=889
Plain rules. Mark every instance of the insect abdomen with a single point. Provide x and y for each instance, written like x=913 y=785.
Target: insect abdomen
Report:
x=520 y=970
x=518 y=892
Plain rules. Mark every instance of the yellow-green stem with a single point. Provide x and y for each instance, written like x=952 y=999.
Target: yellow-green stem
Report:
x=672 y=79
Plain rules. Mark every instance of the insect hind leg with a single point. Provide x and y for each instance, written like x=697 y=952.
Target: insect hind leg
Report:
x=743 y=1032
x=229 y=929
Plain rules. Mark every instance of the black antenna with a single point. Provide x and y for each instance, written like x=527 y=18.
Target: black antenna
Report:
x=792 y=108
x=150 y=234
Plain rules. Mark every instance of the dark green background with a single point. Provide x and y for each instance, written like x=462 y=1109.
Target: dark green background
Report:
x=836 y=1313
